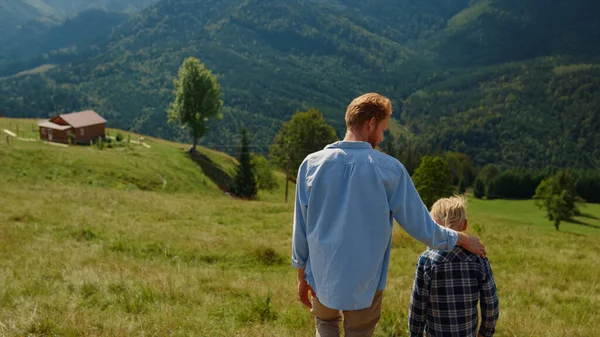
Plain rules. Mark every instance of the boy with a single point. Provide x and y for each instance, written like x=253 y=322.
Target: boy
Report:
x=448 y=285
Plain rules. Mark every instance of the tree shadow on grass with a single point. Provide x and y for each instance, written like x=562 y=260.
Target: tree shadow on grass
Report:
x=589 y=216
x=582 y=223
x=213 y=171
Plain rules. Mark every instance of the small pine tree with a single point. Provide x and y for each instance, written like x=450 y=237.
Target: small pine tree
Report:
x=245 y=180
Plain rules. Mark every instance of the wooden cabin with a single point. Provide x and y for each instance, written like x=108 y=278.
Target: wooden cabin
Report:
x=83 y=125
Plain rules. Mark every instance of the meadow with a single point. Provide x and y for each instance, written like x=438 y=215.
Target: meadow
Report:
x=93 y=243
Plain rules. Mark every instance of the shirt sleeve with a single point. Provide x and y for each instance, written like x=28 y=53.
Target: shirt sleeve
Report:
x=299 y=242
x=412 y=215
x=417 y=313
x=490 y=307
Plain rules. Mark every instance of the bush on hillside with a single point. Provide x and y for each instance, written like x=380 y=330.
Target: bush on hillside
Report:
x=265 y=177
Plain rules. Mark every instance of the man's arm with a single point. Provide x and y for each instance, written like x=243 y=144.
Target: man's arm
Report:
x=299 y=241
x=490 y=307
x=417 y=314
x=412 y=215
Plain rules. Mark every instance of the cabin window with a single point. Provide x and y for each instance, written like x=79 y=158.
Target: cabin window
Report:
x=44 y=131
x=81 y=131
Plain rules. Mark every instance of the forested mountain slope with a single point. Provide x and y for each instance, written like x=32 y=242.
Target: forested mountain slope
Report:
x=505 y=81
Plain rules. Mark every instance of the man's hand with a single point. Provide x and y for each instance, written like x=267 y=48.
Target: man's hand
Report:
x=471 y=244
x=304 y=289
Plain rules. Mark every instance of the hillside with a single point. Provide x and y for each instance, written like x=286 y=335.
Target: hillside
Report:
x=535 y=114
x=80 y=260
x=58 y=43
x=488 y=69
x=33 y=31
x=159 y=166
x=16 y=12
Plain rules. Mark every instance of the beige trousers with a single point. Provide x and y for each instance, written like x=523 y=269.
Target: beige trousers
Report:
x=357 y=323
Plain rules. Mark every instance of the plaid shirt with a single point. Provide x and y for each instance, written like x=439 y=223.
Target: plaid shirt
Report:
x=446 y=289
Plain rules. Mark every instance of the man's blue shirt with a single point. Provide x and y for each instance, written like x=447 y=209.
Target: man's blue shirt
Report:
x=347 y=196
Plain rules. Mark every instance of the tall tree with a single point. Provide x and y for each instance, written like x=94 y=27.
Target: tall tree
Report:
x=484 y=179
x=245 y=180
x=556 y=195
x=461 y=167
x=305 y=133
x=433 y=180
x=197 y=99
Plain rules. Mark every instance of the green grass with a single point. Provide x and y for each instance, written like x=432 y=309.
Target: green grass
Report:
x=80 y=259
x=165 y=166
x=97 y=261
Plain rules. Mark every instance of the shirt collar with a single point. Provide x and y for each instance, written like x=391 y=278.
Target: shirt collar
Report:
x=349 y=145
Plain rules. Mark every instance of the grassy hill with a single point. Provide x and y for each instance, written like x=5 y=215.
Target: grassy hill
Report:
x=159 y=165
x=94 y=243
x=81 y=259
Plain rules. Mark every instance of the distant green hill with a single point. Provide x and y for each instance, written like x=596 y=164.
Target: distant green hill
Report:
x=162 y=166
x=16 y=12
x=30 y=29
x=57 y=43
x=483 y=77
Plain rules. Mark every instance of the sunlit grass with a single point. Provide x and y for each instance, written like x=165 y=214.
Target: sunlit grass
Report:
x=98 y=259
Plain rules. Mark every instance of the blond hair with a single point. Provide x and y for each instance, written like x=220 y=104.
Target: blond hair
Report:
x=450 y=212
x=367 y=106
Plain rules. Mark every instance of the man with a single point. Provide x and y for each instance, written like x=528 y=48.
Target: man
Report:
x=448 y=285
x=347 y=196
